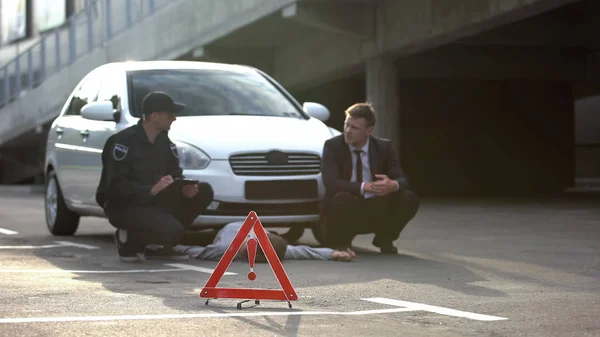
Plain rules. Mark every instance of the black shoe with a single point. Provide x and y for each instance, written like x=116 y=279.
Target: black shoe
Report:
x=127 y=253
x=165 y=254
x=386 y=247
x=293 y=234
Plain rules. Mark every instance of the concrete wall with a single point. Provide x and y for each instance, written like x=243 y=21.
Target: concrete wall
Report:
x=446 y=125
x=472 y=137
x=402 y=27
x=171 y=32
x=180 y=27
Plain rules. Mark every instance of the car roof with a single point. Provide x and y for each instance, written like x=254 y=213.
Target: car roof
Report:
x=165 y=65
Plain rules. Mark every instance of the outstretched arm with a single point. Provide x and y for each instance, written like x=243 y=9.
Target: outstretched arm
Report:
x=307 y=253
x=210 y=252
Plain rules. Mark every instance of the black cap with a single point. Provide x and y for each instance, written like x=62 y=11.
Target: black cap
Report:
x=158 y=101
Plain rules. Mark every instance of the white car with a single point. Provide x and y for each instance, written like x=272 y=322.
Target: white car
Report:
x=241 y=132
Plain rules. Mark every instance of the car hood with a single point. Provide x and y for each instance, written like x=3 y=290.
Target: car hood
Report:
x=222 y=136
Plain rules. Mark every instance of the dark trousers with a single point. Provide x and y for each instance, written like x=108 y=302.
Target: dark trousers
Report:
x=161 y=221
x=348 y=216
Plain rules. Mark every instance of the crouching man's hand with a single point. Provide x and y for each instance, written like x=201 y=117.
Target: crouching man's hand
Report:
x=163 y=183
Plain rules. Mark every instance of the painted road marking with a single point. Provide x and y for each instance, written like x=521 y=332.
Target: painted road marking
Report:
x=438 y=310
x=7 y=232
x=31 y=247
x=79 y=245
x=179 y=316
x=178 y=267
x=57 y=245
x=407 y=307
x=195 y=268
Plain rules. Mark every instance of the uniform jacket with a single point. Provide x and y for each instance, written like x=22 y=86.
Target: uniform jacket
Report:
x=131 y=166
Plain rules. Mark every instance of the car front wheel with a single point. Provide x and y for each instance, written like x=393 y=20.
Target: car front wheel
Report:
x=59 y=219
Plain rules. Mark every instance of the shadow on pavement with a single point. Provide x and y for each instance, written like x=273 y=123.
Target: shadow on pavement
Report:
x=538 y=234
x=180 y=290
x=368 y=266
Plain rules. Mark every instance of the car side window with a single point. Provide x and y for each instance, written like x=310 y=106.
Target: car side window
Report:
x=86 y=93
x=110 y=92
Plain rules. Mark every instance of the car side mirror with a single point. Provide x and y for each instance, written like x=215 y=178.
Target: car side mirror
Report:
x=100 y=111
x=316 y=110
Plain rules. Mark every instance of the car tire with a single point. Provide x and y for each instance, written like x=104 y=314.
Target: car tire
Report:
x=59 y=219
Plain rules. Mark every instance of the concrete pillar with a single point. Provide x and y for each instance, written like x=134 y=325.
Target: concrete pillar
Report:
x=382 y=93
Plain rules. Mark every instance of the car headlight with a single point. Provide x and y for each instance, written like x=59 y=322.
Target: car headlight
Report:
x=190 y=157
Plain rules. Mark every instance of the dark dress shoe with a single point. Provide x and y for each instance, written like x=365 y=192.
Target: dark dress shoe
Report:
x=386 y=247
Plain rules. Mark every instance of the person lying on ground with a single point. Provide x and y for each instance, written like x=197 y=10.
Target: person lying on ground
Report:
x=284 y=251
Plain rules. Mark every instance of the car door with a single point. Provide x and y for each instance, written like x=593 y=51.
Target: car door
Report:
x=68 y=138
x=65 y=137
x=95 y=133
x=71 y=124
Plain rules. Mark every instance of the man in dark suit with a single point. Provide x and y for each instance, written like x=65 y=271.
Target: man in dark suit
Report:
x=366 y=190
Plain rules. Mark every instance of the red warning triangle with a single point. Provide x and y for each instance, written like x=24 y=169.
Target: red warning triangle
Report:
x=287 y=293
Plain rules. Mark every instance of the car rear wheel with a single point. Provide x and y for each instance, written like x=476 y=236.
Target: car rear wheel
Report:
x=59 y=219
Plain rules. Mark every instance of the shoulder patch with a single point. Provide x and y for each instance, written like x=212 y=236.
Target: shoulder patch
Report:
x=174 y=150
x=120 y=152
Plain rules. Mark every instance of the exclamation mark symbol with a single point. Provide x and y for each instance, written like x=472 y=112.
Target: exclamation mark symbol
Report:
x=251 y=256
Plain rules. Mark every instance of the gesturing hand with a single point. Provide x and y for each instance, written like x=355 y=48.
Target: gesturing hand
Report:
x=161 y=184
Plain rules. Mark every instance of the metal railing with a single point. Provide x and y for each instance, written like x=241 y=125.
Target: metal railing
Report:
x=82 y=33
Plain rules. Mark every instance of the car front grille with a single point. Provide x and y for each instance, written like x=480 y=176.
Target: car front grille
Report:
x=284 y=164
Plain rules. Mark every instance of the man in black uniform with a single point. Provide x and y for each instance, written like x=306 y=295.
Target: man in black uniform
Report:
x=138 y=163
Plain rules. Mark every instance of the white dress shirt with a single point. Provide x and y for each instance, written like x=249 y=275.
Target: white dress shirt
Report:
x=366 y=168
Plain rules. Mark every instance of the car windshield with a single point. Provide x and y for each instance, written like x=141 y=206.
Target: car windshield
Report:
x=213 y=92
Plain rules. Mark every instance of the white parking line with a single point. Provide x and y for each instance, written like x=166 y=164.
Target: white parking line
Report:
x=438 y=310
x=407 y=307
x=59 y=244
x=73 y=244
x=7 y=232
x=31 y=247
x=179 y=316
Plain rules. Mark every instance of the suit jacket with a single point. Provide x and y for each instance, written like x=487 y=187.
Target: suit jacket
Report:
x=336 y=165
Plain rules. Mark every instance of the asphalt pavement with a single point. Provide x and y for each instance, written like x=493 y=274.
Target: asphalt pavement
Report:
x=519 y=267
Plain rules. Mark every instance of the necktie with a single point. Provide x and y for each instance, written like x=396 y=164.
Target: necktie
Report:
x=359 y=174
